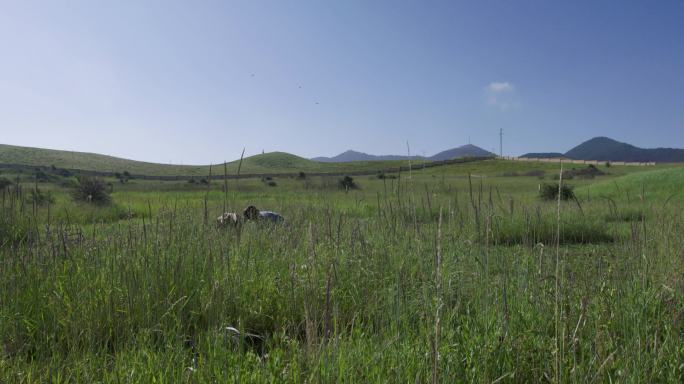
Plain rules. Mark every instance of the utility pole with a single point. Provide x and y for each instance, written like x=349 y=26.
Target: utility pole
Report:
x=408 y=152
x=500 y=142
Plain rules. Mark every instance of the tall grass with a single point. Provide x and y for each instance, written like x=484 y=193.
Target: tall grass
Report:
x=370 y=286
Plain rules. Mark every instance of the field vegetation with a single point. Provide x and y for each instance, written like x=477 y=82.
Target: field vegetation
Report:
x=459 y=273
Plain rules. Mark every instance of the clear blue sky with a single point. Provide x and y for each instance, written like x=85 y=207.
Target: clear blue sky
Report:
x=195 y=82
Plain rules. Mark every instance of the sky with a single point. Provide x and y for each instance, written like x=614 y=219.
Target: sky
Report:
x=196 y=82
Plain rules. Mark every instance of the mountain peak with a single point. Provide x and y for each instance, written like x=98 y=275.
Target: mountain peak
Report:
x=606 y=149
x=467 y=150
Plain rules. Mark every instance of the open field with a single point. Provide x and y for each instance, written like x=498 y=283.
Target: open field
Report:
x=457 y=273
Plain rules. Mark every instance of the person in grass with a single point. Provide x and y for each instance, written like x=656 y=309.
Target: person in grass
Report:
x=252 y=213
x=228 y=218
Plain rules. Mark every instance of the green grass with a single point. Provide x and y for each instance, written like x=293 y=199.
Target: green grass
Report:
x=349 y=289
x=269 y=163
x=653 y=185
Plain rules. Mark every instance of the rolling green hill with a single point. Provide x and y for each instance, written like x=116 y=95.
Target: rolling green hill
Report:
x=659 y=184
x=268 y=163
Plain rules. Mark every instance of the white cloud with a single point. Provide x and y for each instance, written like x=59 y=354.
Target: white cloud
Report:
x=501 y=94
x=500 y=87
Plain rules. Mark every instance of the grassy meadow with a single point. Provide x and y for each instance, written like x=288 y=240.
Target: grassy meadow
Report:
x=457 y=273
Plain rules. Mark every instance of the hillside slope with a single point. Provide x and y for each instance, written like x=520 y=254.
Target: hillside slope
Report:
x=10 y=154
x=606 y=149
x=351 y=155
x=656 y=185
x=467 y=150
x=268 y=163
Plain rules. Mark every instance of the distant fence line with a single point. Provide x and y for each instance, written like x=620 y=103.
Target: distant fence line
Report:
x=84 y=172
x=570 y=161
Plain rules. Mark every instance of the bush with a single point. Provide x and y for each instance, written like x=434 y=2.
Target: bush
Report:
x=550 y=192
x=272 y=183
x=41 y=175
x=585 y=173
x=4 y=183
x=123 y=177
x=91 y=190
x=301 y=175
x=348 y=183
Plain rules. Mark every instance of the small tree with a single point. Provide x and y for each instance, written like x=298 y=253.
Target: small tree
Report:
x=348 y=183
x=91 y=190
x=302 y=175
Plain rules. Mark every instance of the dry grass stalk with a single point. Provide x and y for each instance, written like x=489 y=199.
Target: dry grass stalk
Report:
x=557 y=355
x=438 y=288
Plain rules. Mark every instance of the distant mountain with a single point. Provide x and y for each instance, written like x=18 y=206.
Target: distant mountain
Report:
x=467 y=150
x=350 y=155
x=543 y=155
x=606 y=149
x=462 y=151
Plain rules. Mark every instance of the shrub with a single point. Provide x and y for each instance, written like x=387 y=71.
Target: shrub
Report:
x=91 y=190
x=348 y=183
x=41 y=175
x=301 y=175
x=550 y=192
x=123 y=177
x=586 y=173
x=272 y=183
x=4 y=183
